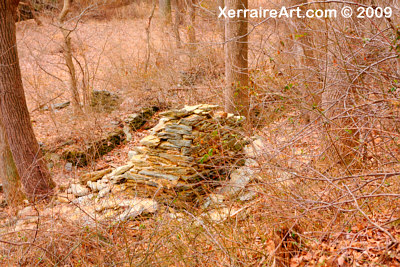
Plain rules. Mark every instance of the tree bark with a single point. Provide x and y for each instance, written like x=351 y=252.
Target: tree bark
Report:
x=221 y=23
x=312 y=97
x=236 y=61
x=8 y=173
x=72 y=83
x=15 y=116
x=165 y=10
x=177 y=22
x=191 y=32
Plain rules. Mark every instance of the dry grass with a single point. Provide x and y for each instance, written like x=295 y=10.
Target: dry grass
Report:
x=306 y=202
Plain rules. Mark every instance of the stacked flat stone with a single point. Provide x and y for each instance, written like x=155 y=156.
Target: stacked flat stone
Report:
x=186 y=146
x=173 y=152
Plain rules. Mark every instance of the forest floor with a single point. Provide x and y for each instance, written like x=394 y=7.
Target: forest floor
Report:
x=275 y=228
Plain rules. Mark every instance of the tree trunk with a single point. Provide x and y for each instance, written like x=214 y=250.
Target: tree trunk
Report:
x=8 y=172
x=221 y=22
x=177 y=22
x=165 y=10
x=15 y=116
x=72 y=83
x=190 y=28
x=311 y=73
x=236 y=61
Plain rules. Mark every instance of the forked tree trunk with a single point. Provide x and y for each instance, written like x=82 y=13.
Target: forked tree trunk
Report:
x=8 y=172
x=236 y=61
x=15 y=116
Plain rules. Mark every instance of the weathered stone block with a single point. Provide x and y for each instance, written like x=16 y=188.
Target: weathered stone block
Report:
x=181 y=143
x=159 y=175
x=169 y=145
x=178 y=128
x=164 y=135
x=174 y=113
x=191 y=120
x=150 y=141
x=176 y=158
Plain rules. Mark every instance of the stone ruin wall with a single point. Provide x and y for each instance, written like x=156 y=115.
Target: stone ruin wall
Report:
x=187 y=146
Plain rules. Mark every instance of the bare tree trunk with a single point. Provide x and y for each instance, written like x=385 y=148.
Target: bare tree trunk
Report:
x=177 y=21
x=73 y=87
x=165 y=10
x=8 y=172
x=190 y=28
x=180 y=7
x=148 y=49
x=236 y=61
x=221 y=22
x=309 y=63
x=14 y=112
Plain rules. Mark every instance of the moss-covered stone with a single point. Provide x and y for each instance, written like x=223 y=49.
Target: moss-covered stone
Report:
x=82 y=156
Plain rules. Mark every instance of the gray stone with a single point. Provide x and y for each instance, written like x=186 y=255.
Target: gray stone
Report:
x=27 y=212
x=188 y=137
x=214 y=200
x=169 y=146
x=159 y=175
x=186 y=151
x=218 y=215
x=257 y=148
x=61 y=105
x=174 y=113
x=137 y=206
x=139 y=160
x=208 y=107
x=94 y=176
x=97 y=186
x=103 y=192
x=248 y=196
x=79 y=190
x=191 y=120
x=176 y=158
x=151 y=141
x=178 y=128
x=103 y=100
x=137 y=120
x=191 y=108
x=136 y=177
x=141 y=149
x=127 y=133
x=106 y=204
x=117 y=179
x=120 y=170
x=160 y=126
x=131 y=154
x=181 y=143
x=173 y=170
x=164 y=135
x=239 y=179
x=68 y=167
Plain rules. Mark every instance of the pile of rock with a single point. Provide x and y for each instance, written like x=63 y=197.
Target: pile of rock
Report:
x=103 y=100
x=82 y=155
x=187 y=154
